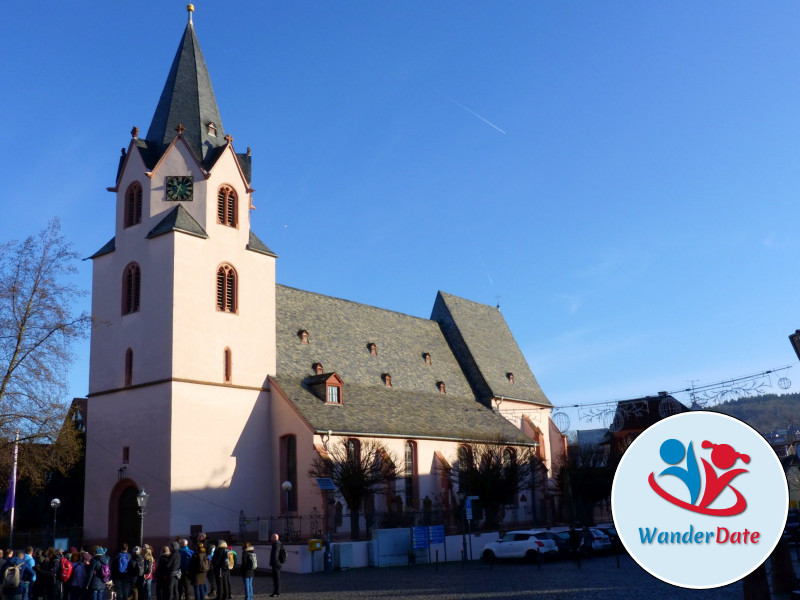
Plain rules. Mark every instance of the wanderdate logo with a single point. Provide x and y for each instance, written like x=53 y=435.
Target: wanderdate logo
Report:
x=699 y=499
x=686 y=469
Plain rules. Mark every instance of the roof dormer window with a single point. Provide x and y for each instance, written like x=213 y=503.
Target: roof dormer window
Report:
x=510 y=377
x=212 y=128
x=303 y=335
x=334 y=394
x=373 y=349
x=317 y=367
x=387 y=379
x=427 y=358
x=440 y=385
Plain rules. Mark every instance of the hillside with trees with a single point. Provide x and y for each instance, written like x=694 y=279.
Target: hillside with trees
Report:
x=766 y=412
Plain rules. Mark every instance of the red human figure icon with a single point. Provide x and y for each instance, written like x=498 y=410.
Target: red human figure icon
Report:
x=724 y=457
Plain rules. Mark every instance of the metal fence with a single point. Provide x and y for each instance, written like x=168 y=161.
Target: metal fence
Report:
x=296 y=527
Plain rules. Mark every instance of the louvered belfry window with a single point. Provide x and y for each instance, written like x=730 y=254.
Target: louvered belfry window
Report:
x=226 y=206
x=226 y=289
x=131 y=289
x=133 y=204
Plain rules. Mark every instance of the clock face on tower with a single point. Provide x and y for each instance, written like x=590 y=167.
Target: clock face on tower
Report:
x=179 y=187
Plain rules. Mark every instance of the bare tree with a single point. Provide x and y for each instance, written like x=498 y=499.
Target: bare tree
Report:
x=358 y=469
x=38 y=325
x=585 y=479
x=495 y=472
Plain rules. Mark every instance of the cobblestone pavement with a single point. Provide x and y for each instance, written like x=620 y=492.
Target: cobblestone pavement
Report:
x=598 y=579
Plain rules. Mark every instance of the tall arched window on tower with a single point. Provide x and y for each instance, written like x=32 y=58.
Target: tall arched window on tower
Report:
x=133 y=205
x=131 y=288
x=128 y=367
x=227 y=366
x=226 y=289
x=226 y=206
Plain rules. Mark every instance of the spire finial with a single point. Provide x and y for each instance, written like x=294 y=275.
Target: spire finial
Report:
x=190 y=10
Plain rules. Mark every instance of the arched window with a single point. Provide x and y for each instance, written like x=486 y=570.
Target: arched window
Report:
x=227 y=365
x=131 y=289
x=353 y=450
x=411 y=474
x=133 y=205
x=226 y=206
x=226 y=289
x=288 y=450
x=464 y=466
x=128 y=367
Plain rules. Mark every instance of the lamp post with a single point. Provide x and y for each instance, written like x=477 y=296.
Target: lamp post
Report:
x=141 y=500
x=286 y=486
x=54 y=504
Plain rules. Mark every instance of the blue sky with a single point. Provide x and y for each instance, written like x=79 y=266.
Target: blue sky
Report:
x=623 y=175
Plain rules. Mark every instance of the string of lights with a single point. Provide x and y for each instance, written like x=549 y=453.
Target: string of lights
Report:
x=614 y=413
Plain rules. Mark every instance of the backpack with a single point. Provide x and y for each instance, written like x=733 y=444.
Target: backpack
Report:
x=11 y=578
x=250 y=561
x=65 y=569
x=231 y=561
x=204 y=566
x=122 y=562
x=105 y=572
x=282 y=554
x=135 y=567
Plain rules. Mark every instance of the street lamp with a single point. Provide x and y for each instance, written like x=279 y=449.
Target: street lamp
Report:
x=141 y=500
x=54 y=504
x=286 y=486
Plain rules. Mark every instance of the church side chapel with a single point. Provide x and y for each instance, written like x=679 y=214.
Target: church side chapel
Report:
x=211 y=385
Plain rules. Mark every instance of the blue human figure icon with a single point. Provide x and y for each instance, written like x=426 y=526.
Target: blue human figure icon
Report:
x=672 y=452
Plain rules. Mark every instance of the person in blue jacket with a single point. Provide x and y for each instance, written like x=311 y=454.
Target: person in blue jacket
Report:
x=25 y=572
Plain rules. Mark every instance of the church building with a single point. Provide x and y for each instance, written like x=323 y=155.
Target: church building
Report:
x=211 y=385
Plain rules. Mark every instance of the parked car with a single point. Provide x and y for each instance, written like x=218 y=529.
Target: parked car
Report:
x=561 y=538
x=613 y=537
x=600 y=541
x=519 y=544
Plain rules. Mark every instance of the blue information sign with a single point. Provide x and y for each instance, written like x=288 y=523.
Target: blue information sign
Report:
x=419 y=537
x=436 y=534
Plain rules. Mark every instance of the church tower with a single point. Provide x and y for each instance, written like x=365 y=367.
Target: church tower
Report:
x=183 y=335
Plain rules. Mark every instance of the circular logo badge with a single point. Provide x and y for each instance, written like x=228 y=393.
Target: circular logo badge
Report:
x=699 y=500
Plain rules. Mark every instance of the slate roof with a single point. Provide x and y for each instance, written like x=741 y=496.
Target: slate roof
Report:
x=339 y=332
x=107 y=248
x=256 y=245
x=178 y=219
x=483 y=343
x=188 y=100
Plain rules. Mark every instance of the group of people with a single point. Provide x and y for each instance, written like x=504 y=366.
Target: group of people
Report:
x=180 y=570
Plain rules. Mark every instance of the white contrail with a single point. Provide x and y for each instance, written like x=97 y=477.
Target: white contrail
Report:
x=473 y=113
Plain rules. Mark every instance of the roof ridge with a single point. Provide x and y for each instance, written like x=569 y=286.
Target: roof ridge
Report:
x=388 y=310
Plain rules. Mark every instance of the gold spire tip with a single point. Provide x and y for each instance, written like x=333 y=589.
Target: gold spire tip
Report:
x=190 y=7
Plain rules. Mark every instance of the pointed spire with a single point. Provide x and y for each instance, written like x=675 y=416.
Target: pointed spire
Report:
x=188 y=100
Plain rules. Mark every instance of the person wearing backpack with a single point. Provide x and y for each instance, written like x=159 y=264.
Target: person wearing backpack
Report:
x=249 y=564
x=277 y=557
x=76 y=584
x=122 y=578
x=99 y=574
x=198 y=573
x=221 y=568
x=14 y=571
x=186 y=557
x=135 y=571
